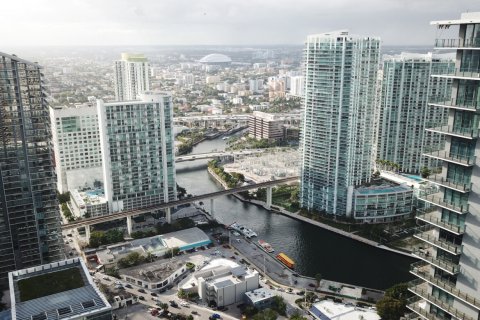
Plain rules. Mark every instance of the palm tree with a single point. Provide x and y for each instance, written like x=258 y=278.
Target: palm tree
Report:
x=318 y=278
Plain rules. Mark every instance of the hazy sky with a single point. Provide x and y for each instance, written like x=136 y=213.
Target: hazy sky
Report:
x=241 y=22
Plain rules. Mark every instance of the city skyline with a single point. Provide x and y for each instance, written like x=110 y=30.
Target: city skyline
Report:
x=52 y=22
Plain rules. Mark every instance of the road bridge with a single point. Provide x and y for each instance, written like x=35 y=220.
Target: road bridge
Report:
x=210 y=155
x=128 y=214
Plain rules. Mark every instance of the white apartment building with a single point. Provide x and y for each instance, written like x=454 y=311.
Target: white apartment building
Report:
x=223 y=282
x=297 y=86
x=76 y=144
x=137 y=143
x=131 y=76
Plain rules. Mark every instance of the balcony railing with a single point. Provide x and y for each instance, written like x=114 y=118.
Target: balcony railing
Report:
x=446 y=265
x=448 y=102
x=420 y=288
x=426 y=234
x=414 y=303
x=464 y=72
x=419 y=269
x=460 y=159
x=438 y=200
x=468 y=133
x=450 y=183
x=430 y=216
x=457 y=43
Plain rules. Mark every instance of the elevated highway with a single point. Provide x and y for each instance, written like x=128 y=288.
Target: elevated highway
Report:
x=128 y=214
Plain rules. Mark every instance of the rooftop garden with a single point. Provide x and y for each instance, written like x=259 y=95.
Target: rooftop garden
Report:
x=49 y=283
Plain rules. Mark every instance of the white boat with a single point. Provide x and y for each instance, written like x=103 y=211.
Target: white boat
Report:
x=266 y=246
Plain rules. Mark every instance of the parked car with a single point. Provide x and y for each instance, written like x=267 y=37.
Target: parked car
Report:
x=141 y=298
x=128 y=286
x=215 y=316
x=154 y=294
x=173 y=304
x=141 y=290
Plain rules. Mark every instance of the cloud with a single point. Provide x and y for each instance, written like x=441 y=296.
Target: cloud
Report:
x=157 y=22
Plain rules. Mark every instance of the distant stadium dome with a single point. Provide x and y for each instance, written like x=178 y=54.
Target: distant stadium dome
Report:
x=216 y=58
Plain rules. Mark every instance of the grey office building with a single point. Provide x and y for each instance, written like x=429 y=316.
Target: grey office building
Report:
x=29 y=215
x=448 y=272
x=406 y=85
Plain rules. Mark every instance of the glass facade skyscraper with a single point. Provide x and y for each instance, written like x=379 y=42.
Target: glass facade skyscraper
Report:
x=337 y=133
x=29 y=214
x=404 y=114
x=138 y=151
x=448 y=272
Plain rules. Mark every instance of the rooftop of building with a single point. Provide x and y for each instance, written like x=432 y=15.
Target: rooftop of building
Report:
x=420 y=57
x=156 y=245
x=88 y=197
x=134 y=57
x=153 y=272
x=221 y=273
x=327 y=309
x=465 y=18
x=15 y=58
x=276 y=116
x=382 y=186
x=338 y=34
x=57 y=290
x=215 y=58
x=259 y=294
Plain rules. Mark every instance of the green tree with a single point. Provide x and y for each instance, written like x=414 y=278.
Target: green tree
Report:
x=97 y=238
x=63 y=197
x=279 y=305
x=297 y=316
x=425 y=172
x=393 y=305
x=267 y=314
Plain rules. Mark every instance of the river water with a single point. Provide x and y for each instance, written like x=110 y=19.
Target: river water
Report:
x=314 y=249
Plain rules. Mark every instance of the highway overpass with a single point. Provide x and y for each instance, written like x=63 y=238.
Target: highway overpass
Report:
x=87 y=222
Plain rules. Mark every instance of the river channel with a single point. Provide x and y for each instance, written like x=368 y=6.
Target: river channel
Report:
x=314 y=249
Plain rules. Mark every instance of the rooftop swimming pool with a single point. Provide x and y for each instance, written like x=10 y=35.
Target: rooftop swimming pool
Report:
x=92 y=193
x=413 y=177
x=379 y=190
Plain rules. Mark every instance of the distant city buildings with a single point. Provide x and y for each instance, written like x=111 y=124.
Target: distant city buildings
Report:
x=297 y=86
x=447 y=272
x=131 y=76
x=272 y=126
x=136 y=138
x=29 y=216
x=406 y=87
x=337 y=133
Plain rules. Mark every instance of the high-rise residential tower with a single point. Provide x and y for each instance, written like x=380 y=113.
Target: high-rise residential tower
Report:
x=406 y=85
x=137 y=151
x=76 y=142
x=448 y=272
x=131 y=76
x=340 y=76
x=29 y=214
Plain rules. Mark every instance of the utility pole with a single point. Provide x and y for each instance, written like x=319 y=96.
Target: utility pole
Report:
x=264 y=266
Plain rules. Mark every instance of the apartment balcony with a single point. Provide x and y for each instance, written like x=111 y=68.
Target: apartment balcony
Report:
x=427 y=234
x=448 y=102
x=461 y=73
x=467 y=133
x=460 y=159
x=450 y=183
x=457 y=43
x=422 y=289
x=418 y=305
x=431 y=216
x=445 y=265
x=421 y=270
x=438 y=200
